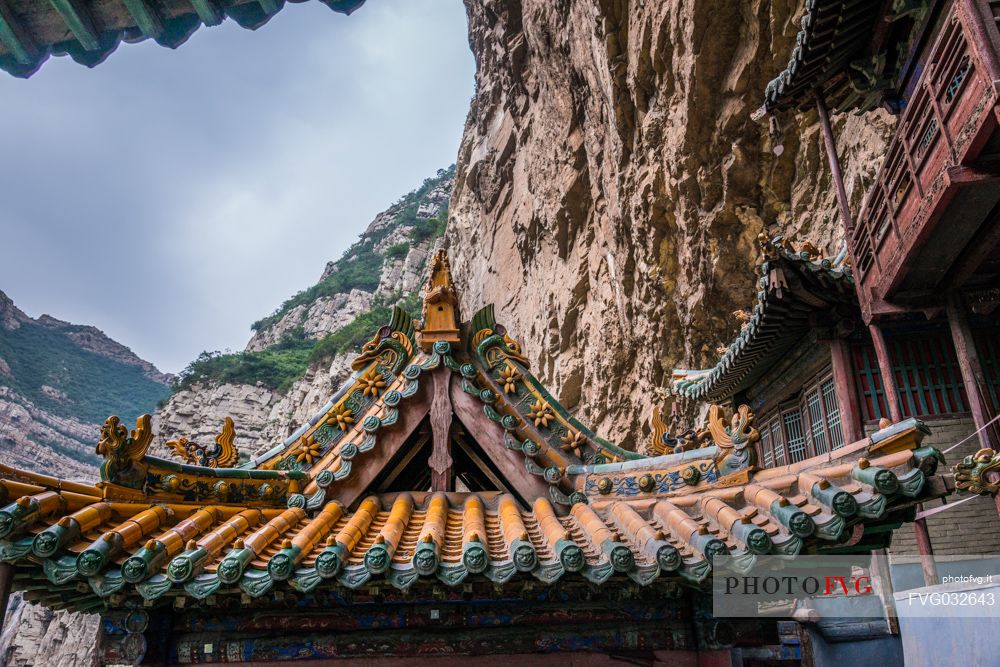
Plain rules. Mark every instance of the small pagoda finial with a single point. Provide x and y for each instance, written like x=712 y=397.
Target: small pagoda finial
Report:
x=440 y=305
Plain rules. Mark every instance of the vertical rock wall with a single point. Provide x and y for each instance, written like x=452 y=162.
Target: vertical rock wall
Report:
x=611 y=185
x=34 y=636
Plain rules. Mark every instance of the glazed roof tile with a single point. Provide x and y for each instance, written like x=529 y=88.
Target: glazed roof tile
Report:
x=89 y=551
x=833 y=34
x=851 y=50
x=302 y=515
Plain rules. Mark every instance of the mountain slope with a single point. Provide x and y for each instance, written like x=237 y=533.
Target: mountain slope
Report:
x=300 y=353
x=58 y=383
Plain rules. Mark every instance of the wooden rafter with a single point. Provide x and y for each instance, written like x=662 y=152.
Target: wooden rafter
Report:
x=79 y=21
x=15 y=37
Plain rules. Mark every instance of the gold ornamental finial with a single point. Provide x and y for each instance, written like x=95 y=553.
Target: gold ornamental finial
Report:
x=440 y=305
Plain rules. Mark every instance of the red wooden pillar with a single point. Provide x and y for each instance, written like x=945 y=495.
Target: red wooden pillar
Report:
x=971 y=368
x=885 y=370
x=847 y=391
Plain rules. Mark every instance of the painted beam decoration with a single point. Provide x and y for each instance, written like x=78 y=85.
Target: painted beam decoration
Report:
x=308 y=517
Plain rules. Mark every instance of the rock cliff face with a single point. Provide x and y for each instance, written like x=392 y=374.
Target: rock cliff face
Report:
x=611 y=184
x=35 y=635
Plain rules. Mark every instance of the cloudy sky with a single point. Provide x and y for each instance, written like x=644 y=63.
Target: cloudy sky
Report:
x=171 y=198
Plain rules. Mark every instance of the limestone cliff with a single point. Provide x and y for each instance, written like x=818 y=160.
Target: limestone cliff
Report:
x=34 y=635
x=611 y=184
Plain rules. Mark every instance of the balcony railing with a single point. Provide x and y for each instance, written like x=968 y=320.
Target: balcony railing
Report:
x=947 y=124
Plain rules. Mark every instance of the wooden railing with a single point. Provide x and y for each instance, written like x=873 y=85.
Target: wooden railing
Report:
x=940 y=130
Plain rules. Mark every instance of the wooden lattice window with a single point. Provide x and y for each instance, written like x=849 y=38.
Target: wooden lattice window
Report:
x=778 y=442
x=767 y=450
x=925 y=368
x=803 y=427
x=832 y=408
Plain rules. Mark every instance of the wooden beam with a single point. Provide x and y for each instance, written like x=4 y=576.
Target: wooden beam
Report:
x=885 y=369
x=490 y=437
x=207 y=12
x=441 y=462
x=368 y=466
x=926 y=551
x=271 y=7
x=14 y=36
x=979 y=249
x=847 y=391
x=78 y=20
x=971 y=368
x=834 y=160
x=146 y=17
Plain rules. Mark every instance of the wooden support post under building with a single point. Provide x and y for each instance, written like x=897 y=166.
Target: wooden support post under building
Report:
x=847 y=394
x=834 y=160
x=885 y=369
x=926 y=551
x=971 y=368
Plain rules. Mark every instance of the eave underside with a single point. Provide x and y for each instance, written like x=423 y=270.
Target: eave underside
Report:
x=89 y=31
x=805 y=295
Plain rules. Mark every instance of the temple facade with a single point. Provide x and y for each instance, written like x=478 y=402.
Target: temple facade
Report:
x=805 y=364
x=924 y=246
x=443 y=503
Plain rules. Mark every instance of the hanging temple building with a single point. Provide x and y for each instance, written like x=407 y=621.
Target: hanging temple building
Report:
x=441 y=497
x=443 y=503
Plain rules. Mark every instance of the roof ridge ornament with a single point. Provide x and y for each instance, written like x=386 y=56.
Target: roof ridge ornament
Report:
x=440 y=311
x=124 y=451
x=223 y=454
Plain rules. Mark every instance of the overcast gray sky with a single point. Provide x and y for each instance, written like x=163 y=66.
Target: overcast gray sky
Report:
x=171 y=198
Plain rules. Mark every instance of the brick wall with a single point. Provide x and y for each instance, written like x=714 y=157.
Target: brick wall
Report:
x=971 y=528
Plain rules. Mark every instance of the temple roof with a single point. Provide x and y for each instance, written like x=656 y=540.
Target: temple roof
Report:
x=75 y=548
x=330 y=506
x=798 y=291
x=90 y=30
x=852 y=50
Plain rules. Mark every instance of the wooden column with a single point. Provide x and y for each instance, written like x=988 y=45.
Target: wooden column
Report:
x=885 y=370
x=847 y=391
x=880 y=562
x=441 y=464
x=926 y=552
x=834 y=160
x=6 y=581
x=971 y=368
x=977 y=18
